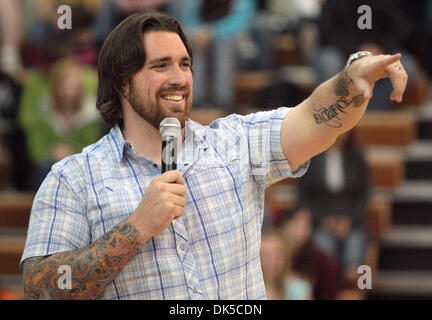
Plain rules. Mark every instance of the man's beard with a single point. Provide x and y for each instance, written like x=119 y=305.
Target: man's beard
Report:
x=153 y=113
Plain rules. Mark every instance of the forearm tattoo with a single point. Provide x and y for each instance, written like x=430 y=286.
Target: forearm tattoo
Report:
x=330 y=116
x=93 y=267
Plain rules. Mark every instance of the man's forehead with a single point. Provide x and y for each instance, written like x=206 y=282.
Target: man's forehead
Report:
x=163 y=45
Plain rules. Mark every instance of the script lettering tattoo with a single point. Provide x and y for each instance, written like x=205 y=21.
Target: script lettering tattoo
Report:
x=93 y=267
x=330 y=116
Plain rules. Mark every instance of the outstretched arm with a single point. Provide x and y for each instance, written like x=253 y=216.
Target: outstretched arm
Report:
x=337 y=105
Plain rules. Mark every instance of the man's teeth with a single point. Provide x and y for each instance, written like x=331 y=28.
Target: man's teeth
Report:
x=173 y=98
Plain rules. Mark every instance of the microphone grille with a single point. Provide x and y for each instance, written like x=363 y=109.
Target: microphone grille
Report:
x=170 y=126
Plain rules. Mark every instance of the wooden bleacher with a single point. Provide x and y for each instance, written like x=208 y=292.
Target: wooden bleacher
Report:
x=248 y=84
x=387 y=167
x=15 y=210
x=11 y=249
x=386 y=128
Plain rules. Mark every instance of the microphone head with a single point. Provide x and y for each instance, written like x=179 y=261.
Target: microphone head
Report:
x=170 y=126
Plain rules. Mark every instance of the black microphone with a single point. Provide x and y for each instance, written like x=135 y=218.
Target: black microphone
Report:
x=170 y=130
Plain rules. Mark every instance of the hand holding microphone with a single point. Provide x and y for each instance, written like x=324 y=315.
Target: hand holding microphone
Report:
x=164 y=199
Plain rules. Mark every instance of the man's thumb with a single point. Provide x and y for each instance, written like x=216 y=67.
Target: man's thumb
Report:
x=364 y=87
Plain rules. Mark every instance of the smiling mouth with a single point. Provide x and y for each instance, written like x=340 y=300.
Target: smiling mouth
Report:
x=173 y=97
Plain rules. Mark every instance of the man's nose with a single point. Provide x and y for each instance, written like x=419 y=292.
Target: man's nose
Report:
x=177 y=77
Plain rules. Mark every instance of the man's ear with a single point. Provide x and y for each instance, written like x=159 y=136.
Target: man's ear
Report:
x=125 y=88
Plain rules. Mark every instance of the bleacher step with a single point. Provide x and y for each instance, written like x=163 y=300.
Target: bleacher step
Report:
x=15 y=209
x=412 y=203
x=419 y=161
x=424 y=129
x=401 y=285
x=11 y=249
x=408 y=236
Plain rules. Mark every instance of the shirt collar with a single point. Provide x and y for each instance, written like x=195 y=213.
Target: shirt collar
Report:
x=118 y=143
x=195 y=139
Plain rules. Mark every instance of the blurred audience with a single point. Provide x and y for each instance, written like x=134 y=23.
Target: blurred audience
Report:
x=10 y=37
x=112 y=12
x=58 y=114
x=281 y=282
x=340 y=36
x=13 y=157
x=46 y=43
x=336 y=187
x=295 y=17
x=320 y=268
x=215 y=27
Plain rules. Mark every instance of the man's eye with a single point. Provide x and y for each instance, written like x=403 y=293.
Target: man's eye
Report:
x=186 y=65
x=159 y=66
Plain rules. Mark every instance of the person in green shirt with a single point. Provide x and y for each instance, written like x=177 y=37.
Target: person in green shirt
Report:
x=57 y=114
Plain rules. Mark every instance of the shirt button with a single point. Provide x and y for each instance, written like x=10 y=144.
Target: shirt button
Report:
x=182 y=247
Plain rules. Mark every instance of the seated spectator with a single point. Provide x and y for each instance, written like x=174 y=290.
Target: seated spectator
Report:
x=309 y=261
x=336 y=188
x=58 y=115
x=281 y=282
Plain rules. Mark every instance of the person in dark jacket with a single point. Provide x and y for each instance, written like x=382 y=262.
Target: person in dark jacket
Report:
x=336 y=188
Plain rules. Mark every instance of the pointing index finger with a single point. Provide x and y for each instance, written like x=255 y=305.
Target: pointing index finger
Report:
x=388 y=60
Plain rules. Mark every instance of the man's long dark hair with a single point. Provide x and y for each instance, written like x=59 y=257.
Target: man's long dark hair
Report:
x=123 y=54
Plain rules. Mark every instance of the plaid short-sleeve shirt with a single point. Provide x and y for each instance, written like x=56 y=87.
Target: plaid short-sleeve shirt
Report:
x=212 y=251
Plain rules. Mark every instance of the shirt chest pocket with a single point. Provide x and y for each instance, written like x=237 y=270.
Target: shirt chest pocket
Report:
x=113 y=201
x=216 y=191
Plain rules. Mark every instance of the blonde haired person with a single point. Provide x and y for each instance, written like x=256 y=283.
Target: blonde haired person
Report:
x=58 y=115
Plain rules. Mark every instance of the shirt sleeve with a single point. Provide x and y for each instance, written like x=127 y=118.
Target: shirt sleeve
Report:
x=268 y=161
x=261 y=133
x=58 y=220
